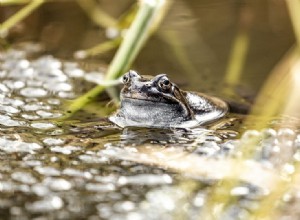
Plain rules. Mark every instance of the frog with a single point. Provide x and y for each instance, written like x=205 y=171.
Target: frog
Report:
x=157 y=102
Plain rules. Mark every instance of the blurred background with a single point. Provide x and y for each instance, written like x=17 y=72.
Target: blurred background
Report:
x=87 y=168
x=193 y=45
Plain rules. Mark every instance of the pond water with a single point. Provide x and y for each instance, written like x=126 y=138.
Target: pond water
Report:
x=84 y=167
x=90 y=168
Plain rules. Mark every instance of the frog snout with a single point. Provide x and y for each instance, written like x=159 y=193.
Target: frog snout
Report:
x=145 y=88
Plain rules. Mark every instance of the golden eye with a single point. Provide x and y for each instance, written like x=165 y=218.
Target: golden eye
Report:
x=164 y=84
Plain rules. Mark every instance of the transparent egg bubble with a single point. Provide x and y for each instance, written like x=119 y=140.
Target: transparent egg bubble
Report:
x=34 y=106
x=15 y=64
x=18 y=146
x=57 y=184
x=47 y=63
x=53 y=101
x=72 y=70
x=297 y=141
x=24 y=177
x=9 y=109
x=14 y=84
x=48 y=204
x=47 y=171
x=66 y=95
x=77 y=173
x=42 y=125
x=57 y=87
x=55 y=75
x=286 y=134
x=46 y=114
x=251 y=136
x=208 y=148
x=34 y=83
x=93 y=158
x=40 y=190
x=3 y=73
x=7 y=121
x=268 y=133
x=53 y=141
x=33 y=92
x=3 y=89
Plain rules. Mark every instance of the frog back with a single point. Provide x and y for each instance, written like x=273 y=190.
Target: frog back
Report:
x=206 y=108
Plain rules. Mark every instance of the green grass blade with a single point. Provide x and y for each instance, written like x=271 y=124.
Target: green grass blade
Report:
x=96 y=14
x=20 y=15
x=293 y=8
x=13 y=2
x=147 y=16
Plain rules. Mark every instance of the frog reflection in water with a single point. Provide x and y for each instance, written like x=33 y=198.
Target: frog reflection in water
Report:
x=157 y=102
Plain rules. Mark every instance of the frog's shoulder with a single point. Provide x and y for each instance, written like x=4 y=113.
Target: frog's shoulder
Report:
x=206 y=108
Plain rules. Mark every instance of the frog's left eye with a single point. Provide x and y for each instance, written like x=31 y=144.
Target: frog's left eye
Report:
x=164 y=84
x=126 y=79
x=131 y=74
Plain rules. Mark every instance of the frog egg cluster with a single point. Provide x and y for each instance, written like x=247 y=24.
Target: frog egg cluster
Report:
x=35 y=78
x=62 y=177
x=34 y=89
x=269 y=146
x=272 y=147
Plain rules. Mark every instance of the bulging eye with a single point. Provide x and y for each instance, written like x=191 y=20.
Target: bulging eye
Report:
x=126 y=79
x=164 y=84
x=129 y=76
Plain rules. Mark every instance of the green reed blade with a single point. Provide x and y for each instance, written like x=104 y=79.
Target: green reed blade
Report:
x=20 y=15
x=148 y=16
x=96 y=14
x=98 y=49
x=293 y=8
x=240 y=48
x=13 y=2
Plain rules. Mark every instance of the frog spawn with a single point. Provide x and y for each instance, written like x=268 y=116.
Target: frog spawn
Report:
x=47 y=167
x=55 y=176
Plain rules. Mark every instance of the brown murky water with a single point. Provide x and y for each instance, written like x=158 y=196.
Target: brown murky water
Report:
x=86 y=167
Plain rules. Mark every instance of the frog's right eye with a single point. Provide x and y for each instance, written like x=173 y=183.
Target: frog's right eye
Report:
x=164 y=84
x=126 y=79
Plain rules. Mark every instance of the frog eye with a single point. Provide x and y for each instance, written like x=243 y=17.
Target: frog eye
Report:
x=128 y=76
x=164 y=84
x=126 y=79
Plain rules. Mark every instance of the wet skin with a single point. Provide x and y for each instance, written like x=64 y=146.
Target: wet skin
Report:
x=157 y=102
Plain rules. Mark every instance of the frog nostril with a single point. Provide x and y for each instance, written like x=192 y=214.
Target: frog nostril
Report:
x=145 y=88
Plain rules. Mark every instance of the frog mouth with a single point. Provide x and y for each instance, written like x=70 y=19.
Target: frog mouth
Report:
x=137 y=98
